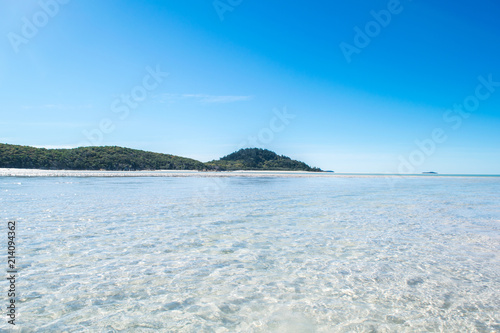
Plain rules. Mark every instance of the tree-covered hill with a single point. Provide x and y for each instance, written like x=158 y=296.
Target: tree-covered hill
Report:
x=259 y=159
x=92 y=158
x=119 y=158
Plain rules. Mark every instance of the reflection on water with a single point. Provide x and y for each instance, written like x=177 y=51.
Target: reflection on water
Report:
x=256 y=254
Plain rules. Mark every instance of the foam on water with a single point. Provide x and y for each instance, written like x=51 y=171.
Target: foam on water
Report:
x=259 y=254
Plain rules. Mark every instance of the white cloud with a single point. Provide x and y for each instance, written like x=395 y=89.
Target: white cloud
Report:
x=57 y=107
x=203 y=98
x=55 y=146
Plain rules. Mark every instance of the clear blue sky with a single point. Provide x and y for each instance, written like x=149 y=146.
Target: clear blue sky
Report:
x=349 y=102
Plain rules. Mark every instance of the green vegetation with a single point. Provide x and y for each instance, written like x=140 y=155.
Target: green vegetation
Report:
x=92 y=158
x=259 y=159
x=119 y=158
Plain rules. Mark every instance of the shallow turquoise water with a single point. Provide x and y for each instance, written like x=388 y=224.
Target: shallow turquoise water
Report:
x=245 y=254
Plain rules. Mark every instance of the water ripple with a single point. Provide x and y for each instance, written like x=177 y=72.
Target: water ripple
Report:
x=260 y=255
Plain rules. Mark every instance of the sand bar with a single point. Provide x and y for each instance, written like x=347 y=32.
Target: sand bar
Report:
x=13 y=172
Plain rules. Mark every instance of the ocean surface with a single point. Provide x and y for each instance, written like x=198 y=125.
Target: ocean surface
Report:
x=254 y=254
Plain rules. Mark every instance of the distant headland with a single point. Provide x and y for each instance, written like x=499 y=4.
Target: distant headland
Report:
x=115 y=158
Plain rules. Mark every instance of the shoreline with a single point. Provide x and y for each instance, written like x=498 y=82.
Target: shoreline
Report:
x=13 y=172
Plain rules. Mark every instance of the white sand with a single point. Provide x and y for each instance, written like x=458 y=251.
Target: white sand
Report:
x=159 y=173
x=13 y=172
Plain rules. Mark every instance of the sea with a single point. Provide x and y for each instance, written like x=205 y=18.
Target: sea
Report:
x=266 y=253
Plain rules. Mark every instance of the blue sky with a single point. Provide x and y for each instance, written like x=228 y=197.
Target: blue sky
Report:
x=295 y=77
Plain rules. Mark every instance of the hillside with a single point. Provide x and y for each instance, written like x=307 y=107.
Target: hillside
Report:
x=259 y=159
x=92 y=158
x=119 y=158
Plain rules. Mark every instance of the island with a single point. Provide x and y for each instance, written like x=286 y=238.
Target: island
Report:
x=113 y=158
x=259 y=159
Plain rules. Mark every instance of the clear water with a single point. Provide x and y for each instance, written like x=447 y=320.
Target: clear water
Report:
x=255 y=254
